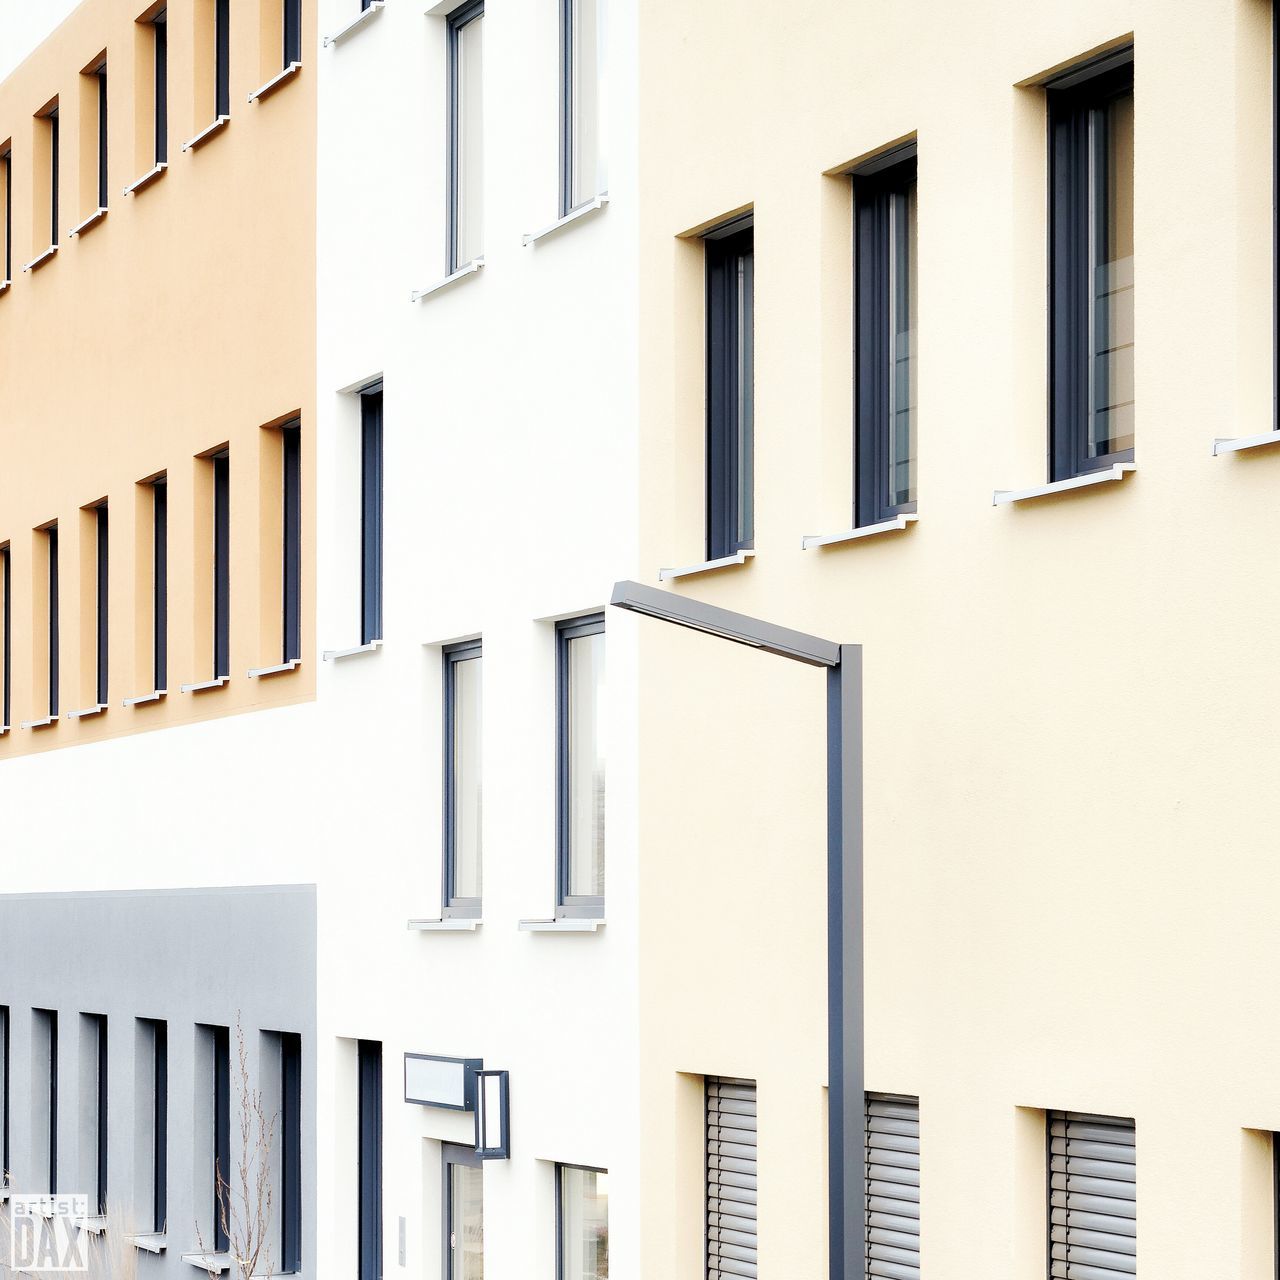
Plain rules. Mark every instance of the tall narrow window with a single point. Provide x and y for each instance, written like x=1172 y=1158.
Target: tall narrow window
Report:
x=731 y=1178
x=44 y=1096
x=290 y=1152
x=51 y=549
x=6 y=636
x=6 y=173
x=463 y=1214
x=1091 y=267
x=580 y=748
x=1092 y=1195
x=151 y=1123
x=94 y=1108
x=466 y=134
x=213 y=1119
x=102 y=136
x=885 y=341
x=582 y=1223
x=371 y=515
x=221 y=58
x=160 y=583
x=292 y=31
x=291 y=540
x=730 y=390
x=55 y=164
x=370 y=1156
x=579 y=102
x=103 y=601
x=160 y=24
x=4 y=1095
x=893 y=1184
x=463 y=792
x=222 y=565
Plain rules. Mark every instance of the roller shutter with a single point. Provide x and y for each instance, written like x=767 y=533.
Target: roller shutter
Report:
x=731 y=1178
x=1092 y=1218
x=893 y=1187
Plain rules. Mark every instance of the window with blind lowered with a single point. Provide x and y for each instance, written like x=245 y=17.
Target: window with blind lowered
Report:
x=731 y=1178
x=893 y=1187
x=1092 y=1197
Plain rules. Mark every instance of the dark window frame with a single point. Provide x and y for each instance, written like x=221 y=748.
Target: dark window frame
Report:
x=6 y=1024
x=291 y=540
x=160 y=1126
x=55 y=149
x=160 y=26
x=221 y=463
x=291 y=1152
x=221 y=58
x=369 y=1155
x=101 y=1118
x=1073 y=99
x=569 y=905
x=51 y=533
x=452 y=905
x=453 y=1153
x=461 y=17
x=291 y=24
x=730 y=388
x=561 y=1166
x=877 y=187
x=101 y=74
x=103 y=591
x=221 y=1040
x=6 y=635
x=372 y=513
x=50 y=1018
x=7 y=159
x=160 y=584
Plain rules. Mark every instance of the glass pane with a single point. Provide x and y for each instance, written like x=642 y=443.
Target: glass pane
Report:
x=746 y=400
x=586 y=766
x=902 y=327
x=467 y=791
x=1111 y=401
x=466 y=1221
x=584 y=1225
x=470 y=192
x=585 y=99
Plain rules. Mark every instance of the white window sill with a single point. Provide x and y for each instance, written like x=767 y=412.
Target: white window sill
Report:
x=1227 y=445
x=266 y=90
x=4 y=728
x=446 y=924
x=147 y=179
x=592 y=206
x=852 y=535
x=469 y=269
x=39 y=724
x=356 y=23
x=562 y=926
x=257 y=673
x=707 y=566
x=4 y=285
x=40 y=259
x=206 y=133
x=335 y=655
x=95 y=1226
x=88 y=224
x=1117 y=472
x=153 y=1242
x=156 y=695
x=201 y=685
x=96 y=710
x=212 y=1262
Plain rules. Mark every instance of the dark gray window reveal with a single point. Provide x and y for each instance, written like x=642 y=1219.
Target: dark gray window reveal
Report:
x=369 y=1222
x=1091 y=267
x=51 y=535
x=6 y=636
x=291 y=570
x=463 y=789
x=160 y=583
x=101 y=1091
x=7 y=161
x=292 y=31
x=222 y=565
x=290 y=1152
x=371 y=487
x=221 y=1039
x=104 y=598
x=160 y=1126
x=160 y=24
x=1092 y=1196
x=222 y=58
x=54 y=166
x=885 y=338
x=4 y=1094
x=463 y=1213
x=102 y=136
x=45 y=1113
x=730 y=390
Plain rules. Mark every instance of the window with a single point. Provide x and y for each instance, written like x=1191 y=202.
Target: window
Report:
x=160 y=583
x=102 y=136
x=370 y=1155
x=44 y=1100
x=582 y=1223
x=1091 y=268
x=463 y=1214
x=4 y=1095
x=885 y=341
x=292 y=31
x=51 y=554
x=579 y=102
x=93 y=128
x=151 y=1119
x=463 y=771
x=290 y=1152
x=291 y=540
x=221 y=58
x=93 y=1108
x=731 y=1178
x=580 y=748
x=47 y=163
x=1092 y=1197
x=371 y=515
x=893 y=1185
x=212 y=1132
x=6 y=636
x=222 y=565
x=103 y=602
x=6 y=171
x=160 y=25
x=730 y=390
x=466 y=135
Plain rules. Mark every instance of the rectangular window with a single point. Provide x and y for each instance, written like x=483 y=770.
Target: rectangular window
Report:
x=1092 y=1195
x=731 y=1178
x=463 y=792
x=292 y=31
x=102 y=136
x=370 y=1156
x=463 y=1214
x=582 y=1223
x=213 y=1132
x=93 y=1109
x=4 y=1095
x=6 y=636
x=290 y=1152
x=730 y=390
x=6 y=175
x=221 y=58
x=222 y=565
x=579 y=102
x=44 y=1100
x=92 y=150
x=160 y=583
x=1091 y=267
x=151 y=1119
x=580 y=749
x=51 y=552
x=885 y=338
x=893 y=1184
x=291 y=540
x=160 y=25
x=371 y=515
x=103 y=603
x=466 y=135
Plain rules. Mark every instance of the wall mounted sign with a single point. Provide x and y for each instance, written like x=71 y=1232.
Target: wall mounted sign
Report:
x=433 y=1081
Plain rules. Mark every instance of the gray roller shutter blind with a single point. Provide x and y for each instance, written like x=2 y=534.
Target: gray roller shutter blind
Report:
x=1092 y=1197
x=893 y=1187
x=731 y=1178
